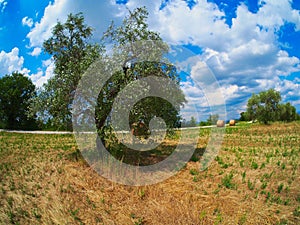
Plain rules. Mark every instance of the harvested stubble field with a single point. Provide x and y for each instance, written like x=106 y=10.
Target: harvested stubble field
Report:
x=253 y=180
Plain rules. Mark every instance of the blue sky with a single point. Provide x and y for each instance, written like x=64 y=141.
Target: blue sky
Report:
x=248 y=46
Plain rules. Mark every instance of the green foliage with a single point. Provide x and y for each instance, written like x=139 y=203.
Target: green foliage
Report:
x=250 y=185
x=265 y=107
x=227 y=181
x=287 y=112
x=254 y=165
x=72 y=54
x=194 y=172
x=15 y=92
x=204 y=123
x=244 y=116
x=134 y=29
x=191 y=123
x=297 y=212
x=212 y=119
x=280 y=187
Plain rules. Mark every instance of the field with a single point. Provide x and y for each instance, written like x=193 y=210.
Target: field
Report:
x=255 y=179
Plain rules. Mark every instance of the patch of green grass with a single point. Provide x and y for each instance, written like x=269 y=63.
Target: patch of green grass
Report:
x=74 y=214
x=227 y=181
x=250 y=185
x=242 y=219
x=254 y=165
x=264 y=185
x=244 y=176
x=194 y=172
x=297 y=212
x=280 y=187
x=202 y=215
x=137 y=220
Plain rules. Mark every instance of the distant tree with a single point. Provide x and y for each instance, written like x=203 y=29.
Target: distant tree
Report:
x=253 y=107
x=287 y=112
x=72 y=54
x=193 y=122
x=204 y=123
x=264 y=106
x=244 y=116
x=15 y=92
x=190 y=123
x=212 y=119
x=184 y=123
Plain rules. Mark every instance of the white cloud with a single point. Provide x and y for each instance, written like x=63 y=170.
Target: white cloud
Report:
x=37 y=78
x=42 y=30
x=36 y=51
x=276 y=13
x=205 y=26
x=289 y=90
x=248 y=48
x=251 y=61
x=245 y=57
x=3 y=5
x=44 y=74
x=204 y=94
x=202 y=74
x=202 y=90
x=200 y=26
x=97 y=15
x=11 y=62
x=50 y=68
x=27 y=21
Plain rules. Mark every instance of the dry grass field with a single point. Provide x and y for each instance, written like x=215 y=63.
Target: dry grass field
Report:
x=255 y=179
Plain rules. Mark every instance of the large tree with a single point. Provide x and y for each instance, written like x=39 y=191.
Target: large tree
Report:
x=15 y=92
x=72 y=53
x=134 y=38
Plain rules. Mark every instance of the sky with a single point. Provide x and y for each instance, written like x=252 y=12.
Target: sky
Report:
x=225 y=50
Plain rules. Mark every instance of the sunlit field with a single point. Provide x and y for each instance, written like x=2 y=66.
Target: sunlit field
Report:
x=255 y=179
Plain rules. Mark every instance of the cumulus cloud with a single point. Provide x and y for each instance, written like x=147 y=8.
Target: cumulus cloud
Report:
x=280 y=11
x=42 y=30
x=251 y=61
x=200 y=26
x=11 y=62
x=207 y=26
x=245 y=57
x=44 y=74
x=97 y=15
x=203 y=93
x=36 y=51
x=27 y=21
